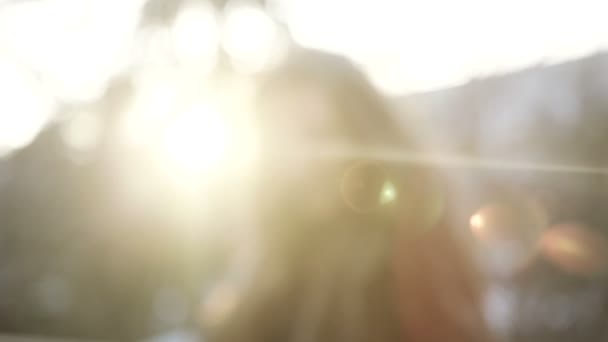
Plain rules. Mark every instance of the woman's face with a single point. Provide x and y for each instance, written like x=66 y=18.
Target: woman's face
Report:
x=309 y=158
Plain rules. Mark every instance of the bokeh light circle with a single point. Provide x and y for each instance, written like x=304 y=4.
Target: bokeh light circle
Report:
x=365 y=186
x=507 y=234
x=575 y=249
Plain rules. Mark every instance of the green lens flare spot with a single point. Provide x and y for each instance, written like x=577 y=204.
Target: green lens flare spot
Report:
x=388 y=193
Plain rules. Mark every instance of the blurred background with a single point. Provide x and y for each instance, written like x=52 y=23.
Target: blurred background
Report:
x=126 y=146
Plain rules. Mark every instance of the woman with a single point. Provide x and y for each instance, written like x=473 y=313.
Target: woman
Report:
x=349 y=248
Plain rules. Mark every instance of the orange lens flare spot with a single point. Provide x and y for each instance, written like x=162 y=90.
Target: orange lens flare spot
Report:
x=575 y=249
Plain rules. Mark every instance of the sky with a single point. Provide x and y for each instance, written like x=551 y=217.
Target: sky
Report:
x=54 y=51
x=412 y=46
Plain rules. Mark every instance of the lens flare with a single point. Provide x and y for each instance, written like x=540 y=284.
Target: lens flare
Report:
x=505 y=221
x=364 y=186
x=388 y=194
x=575 y=249
x=477 y=223
x=507 y=234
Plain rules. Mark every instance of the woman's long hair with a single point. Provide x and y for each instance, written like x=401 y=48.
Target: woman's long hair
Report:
x=348 y=269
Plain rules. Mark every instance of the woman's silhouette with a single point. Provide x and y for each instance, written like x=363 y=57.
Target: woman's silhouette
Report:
x=347 y=248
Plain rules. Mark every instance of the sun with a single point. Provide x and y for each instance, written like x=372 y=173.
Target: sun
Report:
x=197 y=140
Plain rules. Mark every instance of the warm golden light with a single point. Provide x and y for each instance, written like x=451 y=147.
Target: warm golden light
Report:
x=24 y=108
x=83 y=131
x=76 y=46
x=575 y=248
x=388 y=193
x=195 y=36
x=569 y=247
x=507 y=233
x=218 y=304
x=251 y=38
x=157 y=96
x=476 y=222
x=197 y=140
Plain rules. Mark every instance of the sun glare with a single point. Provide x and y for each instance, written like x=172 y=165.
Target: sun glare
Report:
x=156 y=97
x=195 y=36
x=69 y=43
x=197 y=140
x=402 y=44
x=24 y=108
x=250 y=38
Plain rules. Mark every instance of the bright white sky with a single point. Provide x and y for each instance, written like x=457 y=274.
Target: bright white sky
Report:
x=418 y=45
x=405 y=46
